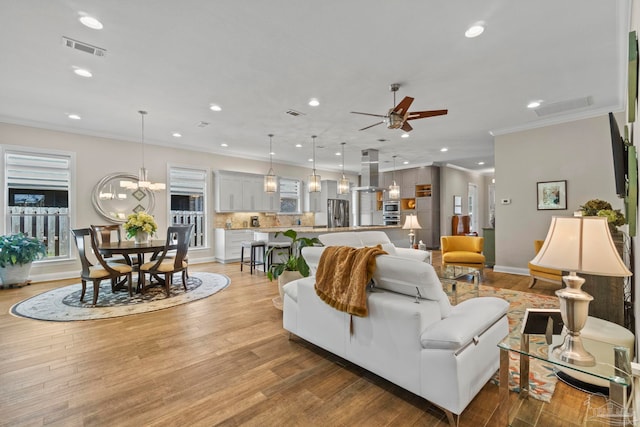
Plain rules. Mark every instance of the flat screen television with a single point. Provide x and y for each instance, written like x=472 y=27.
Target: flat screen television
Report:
x=620 y=163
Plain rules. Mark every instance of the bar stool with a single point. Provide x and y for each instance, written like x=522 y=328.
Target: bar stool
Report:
x=254 y=246
x=273 y=247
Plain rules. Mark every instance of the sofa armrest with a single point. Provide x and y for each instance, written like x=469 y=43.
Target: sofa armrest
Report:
x=424 y=256
x=467 y=322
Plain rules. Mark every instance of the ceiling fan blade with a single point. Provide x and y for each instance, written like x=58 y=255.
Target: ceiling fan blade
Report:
x=404 y=105
x=406 y=127
x=368 y=114
x=376 y=124
x=422 y=114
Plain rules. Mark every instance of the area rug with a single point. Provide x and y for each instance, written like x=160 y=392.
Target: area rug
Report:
x=63 y=304
x=542 y=379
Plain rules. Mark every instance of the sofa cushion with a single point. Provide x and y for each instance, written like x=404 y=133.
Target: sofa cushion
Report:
x=410 y=277
x=343 y=238
x=463 y=257
x=372 y=238
x=468 y=320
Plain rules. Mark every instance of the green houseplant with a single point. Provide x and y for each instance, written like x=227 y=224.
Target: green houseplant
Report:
x=294 y=267
x=17 y=252
x=597 y=207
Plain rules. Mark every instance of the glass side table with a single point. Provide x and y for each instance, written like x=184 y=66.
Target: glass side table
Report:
x=448 y=277
x=616 y=376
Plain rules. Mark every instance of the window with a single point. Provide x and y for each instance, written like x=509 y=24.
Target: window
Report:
x=38 y=185
x=188 y=188
x=290 y=196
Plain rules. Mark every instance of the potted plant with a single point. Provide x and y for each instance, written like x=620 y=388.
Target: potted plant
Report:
x=140 y=226
x=597 y=207
x=17 y=252
x=294 y=267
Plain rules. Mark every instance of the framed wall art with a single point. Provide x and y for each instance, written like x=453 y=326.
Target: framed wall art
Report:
x=552 y=195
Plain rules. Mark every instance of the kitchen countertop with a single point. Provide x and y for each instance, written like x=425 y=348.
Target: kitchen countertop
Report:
x=318 y=229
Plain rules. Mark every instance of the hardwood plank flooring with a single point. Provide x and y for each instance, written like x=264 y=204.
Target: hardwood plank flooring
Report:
x=224 y=360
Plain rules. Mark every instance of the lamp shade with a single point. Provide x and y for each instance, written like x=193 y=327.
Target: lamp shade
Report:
x=411 y=223
x=581 y=244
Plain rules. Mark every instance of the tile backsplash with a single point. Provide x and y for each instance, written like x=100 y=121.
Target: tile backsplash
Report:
x=243 y=220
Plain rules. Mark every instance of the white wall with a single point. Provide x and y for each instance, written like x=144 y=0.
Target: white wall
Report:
x=455 y=182
x=97 y=157
x=578 y=152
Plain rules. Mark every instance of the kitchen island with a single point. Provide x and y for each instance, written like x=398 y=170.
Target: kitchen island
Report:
x=228 y=240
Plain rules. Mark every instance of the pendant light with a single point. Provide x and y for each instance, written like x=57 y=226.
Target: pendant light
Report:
x=314 y=180
x=270 y=179
x=143 y=180
x=394 y=189
x=343 y=184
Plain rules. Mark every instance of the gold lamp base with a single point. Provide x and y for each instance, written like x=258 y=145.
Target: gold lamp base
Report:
x=574 y=308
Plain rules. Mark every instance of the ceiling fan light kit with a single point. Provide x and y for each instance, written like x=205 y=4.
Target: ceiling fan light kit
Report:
x=399 y=115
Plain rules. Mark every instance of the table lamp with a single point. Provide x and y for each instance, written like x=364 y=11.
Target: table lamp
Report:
x=411 y=223
x=578 y=245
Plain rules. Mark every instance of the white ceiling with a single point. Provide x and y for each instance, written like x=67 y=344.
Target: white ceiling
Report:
x=257 y=59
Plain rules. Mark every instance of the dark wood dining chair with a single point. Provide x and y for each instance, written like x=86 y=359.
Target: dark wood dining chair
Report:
x=96 y=272
x=112 y=233
x=171 y=260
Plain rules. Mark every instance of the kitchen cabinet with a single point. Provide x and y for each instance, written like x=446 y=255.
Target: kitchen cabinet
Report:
x=489 y=248
x=228 y=243
x=317 y=202
x=408 y=183
x=243 y=192
x=427 y=205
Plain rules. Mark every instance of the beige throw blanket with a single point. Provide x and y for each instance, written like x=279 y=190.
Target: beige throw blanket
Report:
x=342 y=277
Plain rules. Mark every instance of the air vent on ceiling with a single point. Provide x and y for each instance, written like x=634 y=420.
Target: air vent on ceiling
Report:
x=294 y=113
x=84 y=47
x=562 y=106
x=203 y=124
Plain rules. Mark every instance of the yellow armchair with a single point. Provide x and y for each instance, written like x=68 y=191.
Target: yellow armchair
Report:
x=543 y=273
x=462 y=250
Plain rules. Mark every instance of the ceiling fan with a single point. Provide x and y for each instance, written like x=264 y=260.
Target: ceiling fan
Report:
x=398 y=116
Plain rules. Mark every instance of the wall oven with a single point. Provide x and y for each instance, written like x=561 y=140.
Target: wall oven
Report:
x=391 y=212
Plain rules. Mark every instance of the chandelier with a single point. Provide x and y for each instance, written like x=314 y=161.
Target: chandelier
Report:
x=270 y=179
x=314 y=180
x=143 y=180
x=394 y=189
x=343 y=184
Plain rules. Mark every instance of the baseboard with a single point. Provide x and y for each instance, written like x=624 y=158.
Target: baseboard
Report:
x=511 y=270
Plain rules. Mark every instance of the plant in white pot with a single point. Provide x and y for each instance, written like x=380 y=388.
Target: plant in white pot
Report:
x=294 y=267
x=17 y=252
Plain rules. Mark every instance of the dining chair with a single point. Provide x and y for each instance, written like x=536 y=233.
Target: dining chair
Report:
x=100 y=270
x=165 y=264
x=112 y=233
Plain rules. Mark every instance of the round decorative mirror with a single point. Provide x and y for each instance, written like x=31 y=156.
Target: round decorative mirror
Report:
x=115 y=203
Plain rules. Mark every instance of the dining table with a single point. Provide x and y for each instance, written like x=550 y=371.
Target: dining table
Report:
x=131 y=248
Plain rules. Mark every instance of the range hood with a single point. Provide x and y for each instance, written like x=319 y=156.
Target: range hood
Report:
x=369 y=177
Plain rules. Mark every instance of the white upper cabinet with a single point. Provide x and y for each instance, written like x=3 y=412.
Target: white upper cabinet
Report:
x=243 y=192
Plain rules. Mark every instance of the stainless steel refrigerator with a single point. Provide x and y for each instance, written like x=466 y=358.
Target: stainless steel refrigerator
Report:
x=337 y=213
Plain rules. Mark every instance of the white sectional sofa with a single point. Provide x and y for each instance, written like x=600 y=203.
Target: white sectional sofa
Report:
x=360 y=239
x=412 y=336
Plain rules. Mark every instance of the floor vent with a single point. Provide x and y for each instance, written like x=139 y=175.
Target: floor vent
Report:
x=84 y=47
x=562 y=106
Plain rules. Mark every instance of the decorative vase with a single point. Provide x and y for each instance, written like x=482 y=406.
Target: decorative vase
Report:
x=15 y=274
x=141 y=237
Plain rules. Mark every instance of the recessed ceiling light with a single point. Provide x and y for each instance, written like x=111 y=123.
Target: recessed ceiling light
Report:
x=298 y=145
x=74 y=116
x=481 y=163
x=310 y=160
x=224 y=144
x=405 y=135
x=272 y=153
x=314 y=102
x=82 y=72
x=443 y=149
x=534 y=104
x=215 y=107
x=176 y=135
x=406 y=162
x=338 y=154
x=91 y=22
x=474 y=31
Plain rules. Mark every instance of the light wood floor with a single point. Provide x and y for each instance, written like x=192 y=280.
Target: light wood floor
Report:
x=224 y=360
